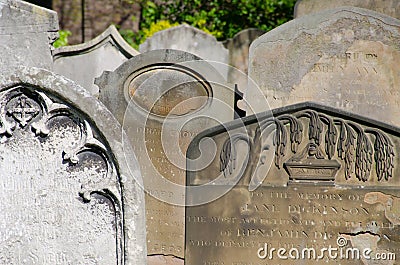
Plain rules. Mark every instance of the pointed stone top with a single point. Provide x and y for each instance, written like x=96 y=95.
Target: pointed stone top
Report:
x=104 y=53
x=110 y=35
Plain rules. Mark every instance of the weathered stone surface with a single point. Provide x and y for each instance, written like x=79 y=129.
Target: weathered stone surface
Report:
x=84 y=62
x=189 y=39
x=71 y=186
x=388 y=7
x=238 y=47
x=346 y=58
x=164 y=98
x=26 y=34
x=306 y=178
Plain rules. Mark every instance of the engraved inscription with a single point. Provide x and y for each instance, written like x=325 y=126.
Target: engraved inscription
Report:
x=295 y=217
x=165 y=222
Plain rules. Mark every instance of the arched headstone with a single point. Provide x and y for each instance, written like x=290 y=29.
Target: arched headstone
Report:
x=345 y=58
x=71 y=188
x=164 y=98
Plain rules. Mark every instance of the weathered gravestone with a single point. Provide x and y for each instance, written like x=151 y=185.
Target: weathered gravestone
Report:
x=84 y=62
x=164 y=98
x=238 y=47
x=71 y=188
x=388 y=7
x=307 y=185
x=189 y=39
x=26 y=34
x=345 y=58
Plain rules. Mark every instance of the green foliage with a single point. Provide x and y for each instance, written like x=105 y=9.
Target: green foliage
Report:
x=62 y=39
x=134 y=39
x=129 y=36
x=157 y=26
x=221 y=18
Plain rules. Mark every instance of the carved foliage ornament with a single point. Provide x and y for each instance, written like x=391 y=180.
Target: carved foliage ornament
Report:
x=328 y=136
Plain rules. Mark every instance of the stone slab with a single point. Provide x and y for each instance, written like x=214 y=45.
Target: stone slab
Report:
x=71 y=186
x=345 y=58
x=387 y=7
x=26 y=34
x=104 y=53
x=189 y=39
x=307 y=184
x=164 y=98
x=238 y=47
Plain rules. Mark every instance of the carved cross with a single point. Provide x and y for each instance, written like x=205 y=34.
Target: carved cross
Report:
x=23 y=110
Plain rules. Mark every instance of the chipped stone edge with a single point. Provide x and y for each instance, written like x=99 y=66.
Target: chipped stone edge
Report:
x=310 y=23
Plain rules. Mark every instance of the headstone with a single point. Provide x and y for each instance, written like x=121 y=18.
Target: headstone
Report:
x=307 y=185
x=189 y=39
x=71 y=188
x=164 y=98
x=388 y=7
x=345 y=58
x=26 y=34
x=238 y=47
x=84 y=62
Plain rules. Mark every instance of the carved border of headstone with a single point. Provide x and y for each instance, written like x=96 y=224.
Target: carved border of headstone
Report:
x=333 y=140
x=111 y=35
x=24 y=92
